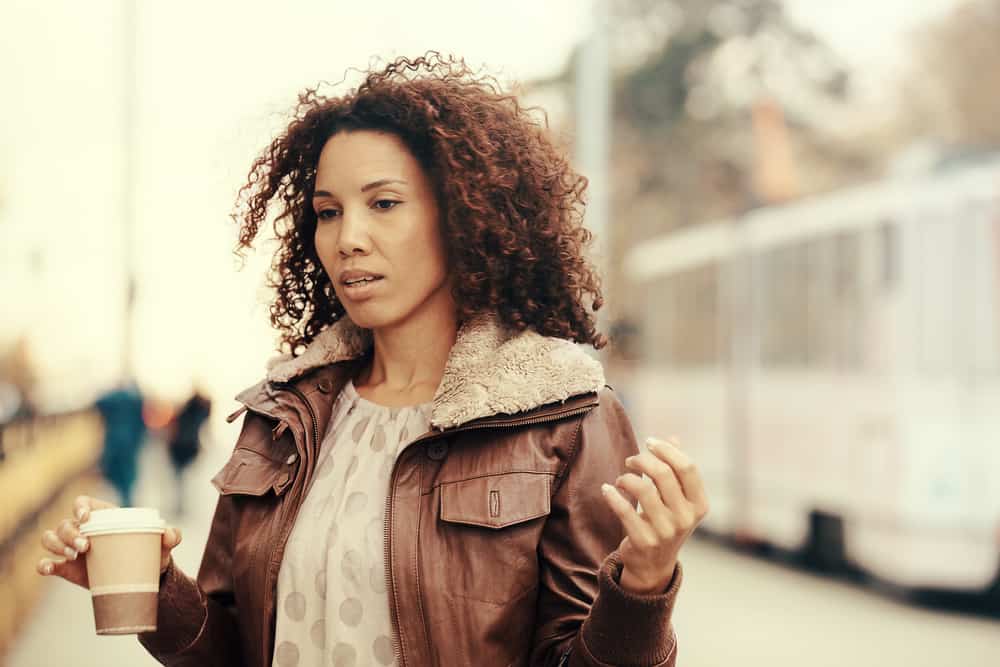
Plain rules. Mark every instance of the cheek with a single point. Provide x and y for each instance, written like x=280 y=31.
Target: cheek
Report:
x=436 y=255
x=326 y=248
x=433 y=268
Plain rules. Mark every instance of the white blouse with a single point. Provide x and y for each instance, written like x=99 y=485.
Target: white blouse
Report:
x=332 y=603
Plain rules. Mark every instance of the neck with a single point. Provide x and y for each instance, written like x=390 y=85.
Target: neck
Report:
x=409 y=357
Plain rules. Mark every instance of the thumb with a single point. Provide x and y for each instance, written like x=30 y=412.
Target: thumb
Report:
x=171 y=538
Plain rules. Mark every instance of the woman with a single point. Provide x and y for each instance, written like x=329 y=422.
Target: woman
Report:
x=422 y=478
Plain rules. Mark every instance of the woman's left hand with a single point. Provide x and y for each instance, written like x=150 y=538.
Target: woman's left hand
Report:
x=673 y=503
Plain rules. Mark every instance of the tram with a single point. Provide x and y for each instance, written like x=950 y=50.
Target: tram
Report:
x=833 y=364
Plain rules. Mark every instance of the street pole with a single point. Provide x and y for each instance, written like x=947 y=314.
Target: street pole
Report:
x=592 y=141
x=128 y=179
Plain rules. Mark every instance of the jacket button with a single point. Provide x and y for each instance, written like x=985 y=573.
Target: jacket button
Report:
x=437 y=451
x=292 y=458
x=325 y=386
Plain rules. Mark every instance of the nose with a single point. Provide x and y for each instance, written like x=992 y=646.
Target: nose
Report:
x=354 y=237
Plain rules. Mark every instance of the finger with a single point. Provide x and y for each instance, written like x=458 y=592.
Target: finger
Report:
x=45 y=566
x=663 y=478
x=83 y=505
x=51 y=541
x=81 y=508
x=69 y=533
x=635 y=526
x=683 y=467
x=48 y=566
x=654 y=511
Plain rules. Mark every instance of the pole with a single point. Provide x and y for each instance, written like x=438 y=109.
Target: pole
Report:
x=592 y=141
x=127 y=178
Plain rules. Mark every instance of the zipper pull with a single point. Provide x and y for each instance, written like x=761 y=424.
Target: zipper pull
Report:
x=280 y=428
x=231 y=418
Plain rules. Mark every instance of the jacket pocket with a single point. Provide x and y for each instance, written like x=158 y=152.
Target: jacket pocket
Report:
x=250 y=473
x=486 y=539
x=497 y=501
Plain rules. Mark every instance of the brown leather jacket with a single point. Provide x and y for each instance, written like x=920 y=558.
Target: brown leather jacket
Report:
x=499 y=547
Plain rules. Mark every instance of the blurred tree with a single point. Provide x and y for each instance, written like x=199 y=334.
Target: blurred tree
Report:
x=705 y=57
x=696 y=73
x=693 y=79
x=951 y=92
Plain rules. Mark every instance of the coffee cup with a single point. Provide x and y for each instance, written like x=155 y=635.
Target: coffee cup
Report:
x=123 y=568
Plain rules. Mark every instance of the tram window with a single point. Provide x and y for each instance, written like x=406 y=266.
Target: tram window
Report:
x=784 y=326
x=888 y=256
x=848 y=306
x=693 y=323
x=822 y=336
x=938 y=306
x=986 y=291
x=658 y=308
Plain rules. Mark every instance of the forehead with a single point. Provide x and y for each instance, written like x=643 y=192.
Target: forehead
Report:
x=361 y=156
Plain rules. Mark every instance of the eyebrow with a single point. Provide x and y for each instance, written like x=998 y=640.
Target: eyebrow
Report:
x=364 y=188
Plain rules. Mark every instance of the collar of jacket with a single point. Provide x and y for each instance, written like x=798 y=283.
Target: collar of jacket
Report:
x=491 y=370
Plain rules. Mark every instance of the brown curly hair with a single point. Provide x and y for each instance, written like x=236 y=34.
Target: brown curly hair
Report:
x=511 y=205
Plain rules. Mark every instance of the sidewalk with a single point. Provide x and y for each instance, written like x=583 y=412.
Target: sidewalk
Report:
x=61 y=630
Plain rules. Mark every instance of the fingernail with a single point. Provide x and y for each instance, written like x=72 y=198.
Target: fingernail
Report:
x=80 y=512
x=69 y=553
x=80 y=543
x=630 y=460
x=606 y=488
x=47 y=568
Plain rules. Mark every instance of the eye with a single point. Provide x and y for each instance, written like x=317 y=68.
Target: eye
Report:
x=327 y=213
x=386 y=204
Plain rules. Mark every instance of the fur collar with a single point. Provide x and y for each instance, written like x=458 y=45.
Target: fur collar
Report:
x=490 y=370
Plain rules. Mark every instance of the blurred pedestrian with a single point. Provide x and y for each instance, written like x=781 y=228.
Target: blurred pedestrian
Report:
x=124 y=433
x=426 y=476
x=185 y=441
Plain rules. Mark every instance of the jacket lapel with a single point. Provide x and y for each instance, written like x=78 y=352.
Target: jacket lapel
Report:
x=491 y=370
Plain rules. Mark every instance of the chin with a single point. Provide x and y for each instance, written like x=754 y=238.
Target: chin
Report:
x=370 y=318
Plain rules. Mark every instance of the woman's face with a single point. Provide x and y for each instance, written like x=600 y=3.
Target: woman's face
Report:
x=376 y=213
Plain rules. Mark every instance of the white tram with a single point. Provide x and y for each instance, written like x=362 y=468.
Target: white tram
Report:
x=834 y=367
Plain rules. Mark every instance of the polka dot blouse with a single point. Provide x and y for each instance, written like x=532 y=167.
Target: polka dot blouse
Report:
x=332 y=604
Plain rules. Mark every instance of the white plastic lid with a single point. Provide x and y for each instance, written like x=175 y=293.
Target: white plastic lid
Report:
x=124 y=520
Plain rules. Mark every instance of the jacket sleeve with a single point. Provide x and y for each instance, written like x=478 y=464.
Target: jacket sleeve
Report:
x=196 y=620
x=585 y=618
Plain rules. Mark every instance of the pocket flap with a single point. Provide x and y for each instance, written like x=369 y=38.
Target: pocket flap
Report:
x=497 y=501
x=252 y=474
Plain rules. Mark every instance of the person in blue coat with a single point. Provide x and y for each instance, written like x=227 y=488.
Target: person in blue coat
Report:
x=124 y=433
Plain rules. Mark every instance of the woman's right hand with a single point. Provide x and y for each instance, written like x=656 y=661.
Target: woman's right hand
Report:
x=66 y=543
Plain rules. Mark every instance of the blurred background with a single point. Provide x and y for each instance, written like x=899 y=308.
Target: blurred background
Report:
x=797 y=207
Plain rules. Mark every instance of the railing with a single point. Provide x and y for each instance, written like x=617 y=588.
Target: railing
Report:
x=43 y=464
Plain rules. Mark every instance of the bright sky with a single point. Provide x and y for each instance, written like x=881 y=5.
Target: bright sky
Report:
x=215 y=78
x=872 y=36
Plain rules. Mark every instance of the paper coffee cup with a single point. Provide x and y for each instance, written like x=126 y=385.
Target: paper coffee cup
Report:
x=123 y=567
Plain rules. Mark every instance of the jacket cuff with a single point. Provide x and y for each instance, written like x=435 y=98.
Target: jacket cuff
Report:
x=180 y=614
x=626 y=628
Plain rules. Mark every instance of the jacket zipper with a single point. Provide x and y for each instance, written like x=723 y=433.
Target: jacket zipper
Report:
x=387 y=524
x=286 y=525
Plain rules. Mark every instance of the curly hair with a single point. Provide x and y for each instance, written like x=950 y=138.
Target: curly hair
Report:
x=511 y=204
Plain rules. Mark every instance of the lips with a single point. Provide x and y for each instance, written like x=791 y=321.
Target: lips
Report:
x=351 y=275
x=362 y=289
